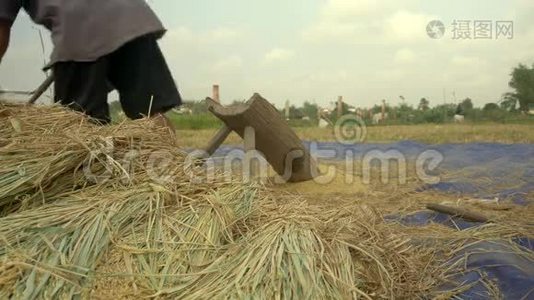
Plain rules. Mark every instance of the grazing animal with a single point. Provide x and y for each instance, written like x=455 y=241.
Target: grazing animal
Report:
x=459 y=119
x=378 y=118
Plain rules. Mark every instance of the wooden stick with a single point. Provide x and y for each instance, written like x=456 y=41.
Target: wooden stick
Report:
x=218 y=139
x=41 y=89
x=459 y=212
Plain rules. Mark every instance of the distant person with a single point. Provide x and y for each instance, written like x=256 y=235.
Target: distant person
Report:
x=101 y=45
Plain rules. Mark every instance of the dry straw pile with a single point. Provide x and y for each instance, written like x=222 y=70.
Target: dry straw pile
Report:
x=141 y=228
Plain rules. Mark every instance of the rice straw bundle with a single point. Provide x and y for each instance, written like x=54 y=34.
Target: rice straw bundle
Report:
x=42 y=160
x=76 y=221
x=17 y=120
x=280 y=260
x=387 y=263
x=383 y=262
x=206 y=248
x=184 y=240
x=56 y=247
x=22 y=173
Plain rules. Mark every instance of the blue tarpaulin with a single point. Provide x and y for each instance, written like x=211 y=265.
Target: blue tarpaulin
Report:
x=499 y=262
x=481 y=170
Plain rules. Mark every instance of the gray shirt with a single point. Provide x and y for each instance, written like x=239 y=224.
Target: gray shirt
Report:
x=85 y=30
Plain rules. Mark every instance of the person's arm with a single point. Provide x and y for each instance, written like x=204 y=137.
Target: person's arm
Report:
x=5 y=32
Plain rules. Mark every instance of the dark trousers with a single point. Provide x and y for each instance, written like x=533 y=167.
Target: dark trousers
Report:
x=137 y=70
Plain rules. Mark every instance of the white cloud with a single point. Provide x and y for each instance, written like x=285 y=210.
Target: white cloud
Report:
x=405 y=56
x=230 y=63
x=179 y=34
x=341 y=10
x=525 y=3
x=214 y=36
x=278 y=54
x=202 y=52
x=389 y=75
x=341 y=20
x=335 y=76
x=366 y=20
x=325 y=31
x=407 y=26
x=468 y=62
x=221 y=35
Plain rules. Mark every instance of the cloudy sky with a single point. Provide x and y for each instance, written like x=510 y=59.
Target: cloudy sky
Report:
x=316 y=50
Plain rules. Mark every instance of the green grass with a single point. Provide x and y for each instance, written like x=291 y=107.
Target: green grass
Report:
x=195 y=122
x=185 y=122
x=208 y=121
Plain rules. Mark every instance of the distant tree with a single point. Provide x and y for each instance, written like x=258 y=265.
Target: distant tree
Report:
x=491 y=107
x=198 y=107
x=405 y=113
x=237 y=102
x=441 y=114
x=523 y=83
x=310 y=110
x=403 y=107
x=345 y=108
x=424 y=104
x=509 y=102
x=295 y=113
x=465 y=107
x=378 y=109
x=467 y=104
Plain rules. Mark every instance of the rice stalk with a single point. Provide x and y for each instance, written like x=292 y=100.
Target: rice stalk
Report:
x=56 y=254
x=41 y=155
x=187 y=239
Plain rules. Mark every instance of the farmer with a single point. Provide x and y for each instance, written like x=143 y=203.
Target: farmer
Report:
x=101 y=45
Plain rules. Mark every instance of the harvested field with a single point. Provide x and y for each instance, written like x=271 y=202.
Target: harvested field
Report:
x=427 y=133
